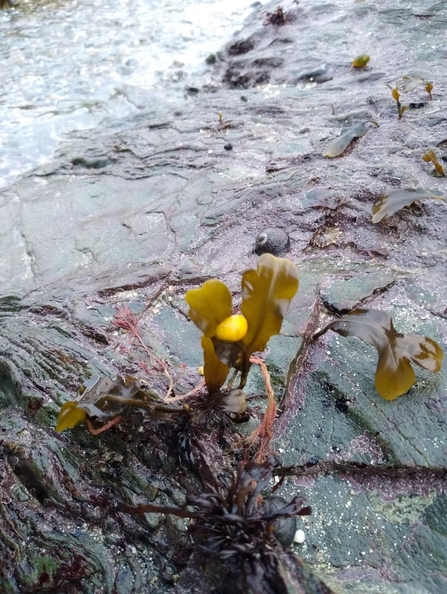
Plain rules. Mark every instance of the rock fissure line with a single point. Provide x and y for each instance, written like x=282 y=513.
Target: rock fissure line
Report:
x=437 y=476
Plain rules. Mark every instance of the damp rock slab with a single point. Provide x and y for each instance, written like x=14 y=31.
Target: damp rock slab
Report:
x=139 y=216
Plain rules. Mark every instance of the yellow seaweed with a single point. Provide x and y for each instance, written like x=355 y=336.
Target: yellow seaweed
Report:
x=410 y=82
x=70 y=416
x=429 y=156
x=232 y=339
x=214 y=370
x=394 y=374
x=209 y=306
x=266 y=294
x=395 y=94
x=106 y=399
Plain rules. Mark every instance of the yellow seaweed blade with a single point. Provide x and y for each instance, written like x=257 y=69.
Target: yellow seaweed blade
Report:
x=430 y=156
x=266 y=294
x=338 y=146
x=392 y=382
x=214 y=370
x=70 y=416
x=209 y=305
x=429 y=354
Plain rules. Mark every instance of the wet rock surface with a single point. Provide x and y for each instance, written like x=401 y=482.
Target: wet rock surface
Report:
x=136 y=216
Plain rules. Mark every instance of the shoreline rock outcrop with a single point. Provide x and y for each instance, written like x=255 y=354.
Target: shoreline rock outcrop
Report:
x=139 y=215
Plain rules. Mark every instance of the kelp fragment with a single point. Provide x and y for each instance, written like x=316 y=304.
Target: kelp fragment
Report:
x=360 y=61
x=338 y=146
x=429 y=156
x=394 y=373
x=105 y=399
x=390 y=202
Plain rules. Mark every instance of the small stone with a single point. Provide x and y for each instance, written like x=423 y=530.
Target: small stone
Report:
x=272 y=241
x=284 y=529
x=299 y=537
x=228 y=147
x=360 y=61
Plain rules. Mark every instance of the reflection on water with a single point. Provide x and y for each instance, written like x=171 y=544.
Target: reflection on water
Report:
x=67 y=66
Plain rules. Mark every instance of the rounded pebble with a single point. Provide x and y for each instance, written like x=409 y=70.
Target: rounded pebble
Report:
x=228 y=147
x=360 y=61
x=283 y=528
x=272 y=241
x=299 y=537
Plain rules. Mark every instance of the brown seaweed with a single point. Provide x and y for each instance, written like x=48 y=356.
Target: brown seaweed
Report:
x=232 y=522
x=392 y=201
x=279 y=17
x=394 y=373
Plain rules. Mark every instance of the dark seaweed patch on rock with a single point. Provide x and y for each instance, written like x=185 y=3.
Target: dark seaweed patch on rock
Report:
x=241 y=47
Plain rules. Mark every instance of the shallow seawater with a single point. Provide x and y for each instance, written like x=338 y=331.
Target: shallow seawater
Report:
x=70 y=66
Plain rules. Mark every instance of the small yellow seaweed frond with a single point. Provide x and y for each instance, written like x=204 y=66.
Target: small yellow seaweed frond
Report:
x=429 y=156
x=396 y=96
x=70 y=416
